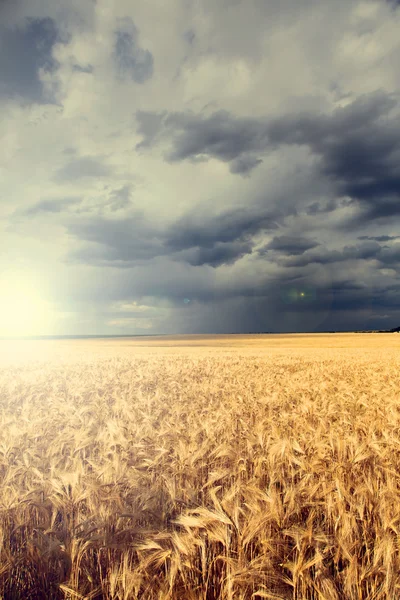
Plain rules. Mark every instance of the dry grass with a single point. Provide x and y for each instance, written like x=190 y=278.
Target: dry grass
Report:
x=209 y=469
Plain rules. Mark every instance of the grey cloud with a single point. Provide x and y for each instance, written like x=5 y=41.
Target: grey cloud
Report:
x=83 y=68
x=220 y=136
x=206 y=230
x=364 y=251
x=70 y=150
x=285 y=300
x=189 y=36
x=289 y=245
x=131 y=60
x=379 y=238
x=149 y=126
x=196 y=239
x=358 y=146
x=24 y=51
x=122 y=239
x=238 y=30
x=342 y=164
x=79 y=168
x=120 y=198
x=279 y=303
x=219 y=254
x=244 y=164
x=311 y=304
x=376 y=299
x=50 y=205
x=390 y=255
x=110 y=201
x=326 y=206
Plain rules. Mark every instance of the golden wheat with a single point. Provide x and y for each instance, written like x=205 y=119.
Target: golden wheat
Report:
x=201 y=468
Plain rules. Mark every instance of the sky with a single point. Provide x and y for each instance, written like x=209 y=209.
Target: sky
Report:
x=199 y=166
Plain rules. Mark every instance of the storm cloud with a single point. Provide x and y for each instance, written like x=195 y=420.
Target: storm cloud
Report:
x=130 y=239
x=205 y=167
x=289 y=245
x=386 y=255
x=358 y=146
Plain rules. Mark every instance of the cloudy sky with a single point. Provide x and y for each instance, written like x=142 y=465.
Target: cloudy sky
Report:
x=200 y=165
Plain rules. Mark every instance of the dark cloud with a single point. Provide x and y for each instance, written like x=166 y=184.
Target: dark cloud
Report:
x=297 y=297
x=244 y=164
x=117 y=240
x=207 y=230
x=301 y=244
x=131 y=60
x=85 y=166
x=379 y=238
x=127 y=241
x=271 y=304
x=220 y=136
x=196 y=239
x=219 y=254
x=364 y=251
x=83 y=68
x=325 y=206
x=368 y=250
x=390 y=256
x=289 y=245
x=24 y=51
x=358 y=147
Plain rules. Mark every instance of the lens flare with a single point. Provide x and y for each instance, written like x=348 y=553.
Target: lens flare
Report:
x=300 y=295
x=23 y=310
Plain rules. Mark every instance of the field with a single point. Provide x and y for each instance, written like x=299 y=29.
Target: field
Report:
x=230 y=467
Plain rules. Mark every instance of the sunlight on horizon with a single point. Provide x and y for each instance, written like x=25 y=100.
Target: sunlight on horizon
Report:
x=23 y=309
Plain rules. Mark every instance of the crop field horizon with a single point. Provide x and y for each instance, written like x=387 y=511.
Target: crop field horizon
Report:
x=201 y=468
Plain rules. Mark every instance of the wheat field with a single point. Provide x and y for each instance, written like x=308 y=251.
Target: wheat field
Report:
x=230 y=467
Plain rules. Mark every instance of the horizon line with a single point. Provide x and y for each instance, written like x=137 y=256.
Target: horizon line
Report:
x=134 y=335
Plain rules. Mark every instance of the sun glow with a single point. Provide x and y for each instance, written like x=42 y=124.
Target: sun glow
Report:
x=23 y=310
